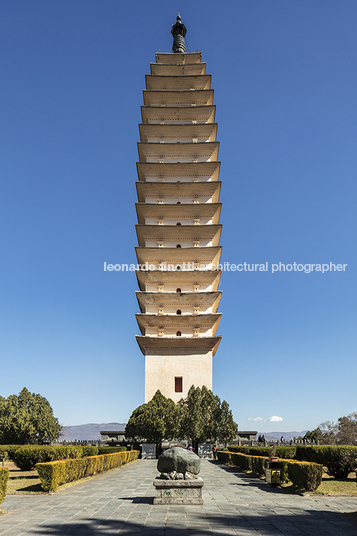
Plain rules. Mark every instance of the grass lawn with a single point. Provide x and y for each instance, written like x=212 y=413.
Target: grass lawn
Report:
x=25 y=484
x=32 y=484
x=330 y=486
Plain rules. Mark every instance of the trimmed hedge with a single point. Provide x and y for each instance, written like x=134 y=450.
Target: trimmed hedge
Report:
x=53 y=474
x=3 y=452
x=243 y=461
x=340 y=460
x=285 y=452
x=255 y=451
x=224 y=456
x=90 y=451
x=4 y=477
x=304 y=475
x=108 y=450
x=256 y=464
x=28 y=456
x=7 y=450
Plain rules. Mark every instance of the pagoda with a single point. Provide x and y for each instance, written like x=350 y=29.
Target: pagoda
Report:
x=178 y=226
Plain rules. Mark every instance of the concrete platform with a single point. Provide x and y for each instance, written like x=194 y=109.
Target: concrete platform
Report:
x=178 y=491
x=120 y=502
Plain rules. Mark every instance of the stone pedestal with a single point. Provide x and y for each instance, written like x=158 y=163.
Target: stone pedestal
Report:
x=178 y=491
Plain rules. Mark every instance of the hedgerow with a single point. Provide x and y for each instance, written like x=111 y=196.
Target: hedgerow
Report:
x=54 y=474
x=4 y=476
x=286 y=452
x=244 y=461
x=108 y=450
x=28 y=456
x=304 y=475
x=256 y=451
x=7 y=450
x=340 y=460
x=224 y=456
x=90 y=451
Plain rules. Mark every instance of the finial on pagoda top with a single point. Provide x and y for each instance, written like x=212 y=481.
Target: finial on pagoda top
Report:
x=178 y=32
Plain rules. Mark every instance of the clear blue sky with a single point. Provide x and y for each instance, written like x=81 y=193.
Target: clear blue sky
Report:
x=284 y=74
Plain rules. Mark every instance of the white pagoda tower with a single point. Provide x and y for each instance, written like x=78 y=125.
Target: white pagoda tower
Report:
x=178 y=223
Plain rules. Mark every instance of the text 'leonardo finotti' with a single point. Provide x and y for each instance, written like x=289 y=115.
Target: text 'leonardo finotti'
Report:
x=229 y=267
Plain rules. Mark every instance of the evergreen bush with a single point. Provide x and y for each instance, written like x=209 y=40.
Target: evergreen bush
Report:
x=108 y=450
x=258 y=465
x=28 y=456
x=286 y=452
x=56 y=473
x=340 y=460
x=244 y=461
x=224 y=456
x=4 y=476
x=7 y=450
x=90 y=451
x=305 y=475
x=255 y=451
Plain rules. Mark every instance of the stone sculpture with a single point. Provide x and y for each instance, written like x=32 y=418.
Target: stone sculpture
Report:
x=179 y=464
x=178 y=482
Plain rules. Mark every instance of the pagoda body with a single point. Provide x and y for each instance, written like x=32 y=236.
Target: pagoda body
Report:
x=178 y=227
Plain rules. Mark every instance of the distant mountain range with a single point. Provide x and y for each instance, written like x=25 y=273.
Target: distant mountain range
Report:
x=274 y=436
x=89 y=431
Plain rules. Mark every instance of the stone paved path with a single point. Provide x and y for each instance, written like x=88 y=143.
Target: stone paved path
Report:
x=120 y=502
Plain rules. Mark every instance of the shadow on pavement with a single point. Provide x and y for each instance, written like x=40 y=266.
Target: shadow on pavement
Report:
x=309 y=523
x=141 y=500
x=254 y=480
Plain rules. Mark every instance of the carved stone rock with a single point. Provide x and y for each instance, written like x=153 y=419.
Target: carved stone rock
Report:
x=179 y=460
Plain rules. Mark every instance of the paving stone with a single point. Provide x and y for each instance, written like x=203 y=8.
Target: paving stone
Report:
x=120 y=502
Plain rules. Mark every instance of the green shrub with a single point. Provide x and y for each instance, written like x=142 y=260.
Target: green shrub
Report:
x=3 y=452
x=53 y=474
x=286 y=452
x=243 y=461
x=339 y=460
x=253 y=451
x=90 y=451
x=258 y=465
x=28 y=456
x=108 y=450
x=284 y=472
x=305 y=475
x=224 y=456
x=4 y=476
x=7 y=450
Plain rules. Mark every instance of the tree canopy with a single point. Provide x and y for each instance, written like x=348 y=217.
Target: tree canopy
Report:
x=204 y=417
x=27 y=418
x=344 y=432
x=200 y=416
x=155 y=421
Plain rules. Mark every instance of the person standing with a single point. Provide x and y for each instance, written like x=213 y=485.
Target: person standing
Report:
x=214 y=450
